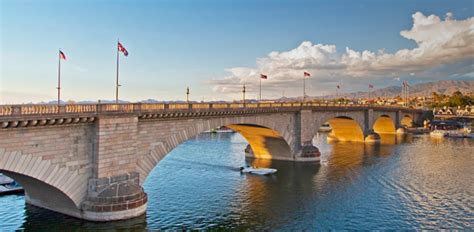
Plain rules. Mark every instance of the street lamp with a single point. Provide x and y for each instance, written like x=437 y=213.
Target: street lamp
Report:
x=187 y=94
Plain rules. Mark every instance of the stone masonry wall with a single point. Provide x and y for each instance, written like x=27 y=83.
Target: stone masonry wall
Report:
x=116 y=145
x=59 y=156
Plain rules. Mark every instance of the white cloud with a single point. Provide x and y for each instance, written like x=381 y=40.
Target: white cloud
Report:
x=439 y=43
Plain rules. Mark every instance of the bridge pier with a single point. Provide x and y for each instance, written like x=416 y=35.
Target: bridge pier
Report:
x=306 y=150
x=114 y=198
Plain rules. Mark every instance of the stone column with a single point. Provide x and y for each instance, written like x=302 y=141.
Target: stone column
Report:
x=398 y=119
x=114 y=192
x=306 y=128
x=369 y=122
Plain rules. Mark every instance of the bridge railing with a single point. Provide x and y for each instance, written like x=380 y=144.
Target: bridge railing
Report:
x=43 y=109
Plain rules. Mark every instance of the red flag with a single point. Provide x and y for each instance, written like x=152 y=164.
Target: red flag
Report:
x=307 y=74
x=122 y=49
x=263 y=76
x=61 y=55
x=371 y=86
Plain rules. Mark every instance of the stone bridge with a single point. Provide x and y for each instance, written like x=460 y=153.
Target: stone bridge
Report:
x=90 y=161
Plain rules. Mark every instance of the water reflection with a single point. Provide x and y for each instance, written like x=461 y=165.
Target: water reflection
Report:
x=272 y=197
x=38 y=219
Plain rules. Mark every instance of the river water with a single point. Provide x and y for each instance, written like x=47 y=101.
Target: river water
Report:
x=407 y=182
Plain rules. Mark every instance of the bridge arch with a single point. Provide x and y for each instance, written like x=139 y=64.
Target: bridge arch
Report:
x=270 y=137
x=384 y=124
x=346 y=126
x=345 y=129
x=46 y=185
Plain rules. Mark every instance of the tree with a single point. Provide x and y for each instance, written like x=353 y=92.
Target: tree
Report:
x=457 y=99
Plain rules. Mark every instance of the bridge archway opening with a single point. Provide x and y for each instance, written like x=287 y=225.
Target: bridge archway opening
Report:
x=345 y=129
x=384 y=125
x=265 y=143
x=44 y=195
x=407 y=121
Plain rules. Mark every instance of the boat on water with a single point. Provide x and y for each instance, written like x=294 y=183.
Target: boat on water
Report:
x=222 y=129
x=438 y=133
x=325 y=128
x=460 y=134
x=257 y=170
x=9 y=186
x=452 y=129
x=5 y=179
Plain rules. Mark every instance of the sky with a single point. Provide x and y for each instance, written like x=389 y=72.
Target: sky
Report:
x=215 y=47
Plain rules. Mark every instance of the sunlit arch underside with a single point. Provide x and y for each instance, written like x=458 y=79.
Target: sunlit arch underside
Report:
x=384 y=125
x=407 y=121
x=265 y=143
x=345 y=129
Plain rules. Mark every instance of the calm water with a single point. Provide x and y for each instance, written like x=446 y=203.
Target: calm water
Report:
x=417 y=183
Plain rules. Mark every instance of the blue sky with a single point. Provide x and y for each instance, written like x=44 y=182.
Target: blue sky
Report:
x=174 y=44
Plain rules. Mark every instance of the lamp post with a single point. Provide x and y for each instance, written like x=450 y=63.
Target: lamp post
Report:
x=243 y=94
x=187 y=94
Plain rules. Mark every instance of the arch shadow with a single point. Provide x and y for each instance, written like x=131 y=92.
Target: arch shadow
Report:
x=41 y=194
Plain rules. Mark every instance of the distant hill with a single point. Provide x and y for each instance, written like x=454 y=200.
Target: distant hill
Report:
x=424 y=89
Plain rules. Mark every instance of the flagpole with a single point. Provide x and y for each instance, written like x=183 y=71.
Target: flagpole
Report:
x=117 y=77
x=304 y=88
x=59 y=77
x=260 y=98
x=404 y=94
x=369 y=94
x=408 y=95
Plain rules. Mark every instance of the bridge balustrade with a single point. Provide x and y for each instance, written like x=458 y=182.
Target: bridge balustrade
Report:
x=178 y=106
x=80 y=108
x=16 y=110
x=6 y=110
x=201 y=106
x=38 y=109
x=152 y=106
x=236 y=105
x=219 y=105
x=116 y=107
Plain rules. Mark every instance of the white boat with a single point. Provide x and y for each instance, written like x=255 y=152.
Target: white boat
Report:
x=438 y=133
x=5 y=179
x=222 y=129
x=11 y=188
x=455 y=134
x=257 y=171
x=459 y=134
x=325 y=128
